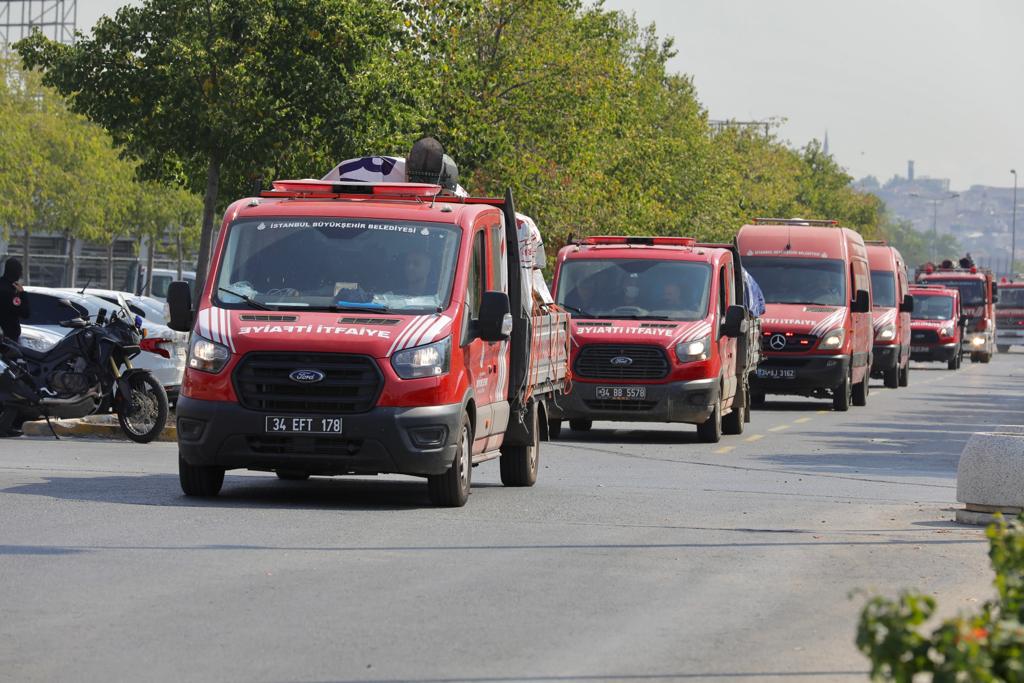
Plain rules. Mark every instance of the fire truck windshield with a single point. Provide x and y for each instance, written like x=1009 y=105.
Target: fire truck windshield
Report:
x=883 y=288
x=338 y=264
x=643 y=289
x=1011 y=298
x=932 y=307
x=788 y=280
x=972 y=292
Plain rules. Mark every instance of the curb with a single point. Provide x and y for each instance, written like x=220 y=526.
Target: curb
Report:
x=85 y=428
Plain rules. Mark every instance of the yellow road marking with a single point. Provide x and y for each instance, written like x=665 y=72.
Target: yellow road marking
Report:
x=755 y=437
x=822 y=412
x=778 y=428
x=724 y=449
x=801 y=420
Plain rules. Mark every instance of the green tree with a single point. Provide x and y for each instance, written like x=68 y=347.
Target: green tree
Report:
x=218 y=93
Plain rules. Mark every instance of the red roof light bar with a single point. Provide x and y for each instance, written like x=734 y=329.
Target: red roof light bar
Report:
x=638 y=241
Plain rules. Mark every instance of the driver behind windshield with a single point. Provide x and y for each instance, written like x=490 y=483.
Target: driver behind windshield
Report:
x=415 y=275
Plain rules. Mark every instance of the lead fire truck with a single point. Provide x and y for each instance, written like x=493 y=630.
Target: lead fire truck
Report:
x=365 y=328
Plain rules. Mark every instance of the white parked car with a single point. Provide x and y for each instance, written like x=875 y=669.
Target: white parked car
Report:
x=47 y=312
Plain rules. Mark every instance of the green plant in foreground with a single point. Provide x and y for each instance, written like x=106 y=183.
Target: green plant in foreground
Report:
x=983 y=647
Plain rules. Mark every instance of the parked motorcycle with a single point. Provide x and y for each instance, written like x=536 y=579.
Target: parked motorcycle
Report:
x=86 y=373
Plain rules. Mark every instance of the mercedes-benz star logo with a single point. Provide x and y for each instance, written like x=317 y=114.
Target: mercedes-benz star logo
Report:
x=777 y=342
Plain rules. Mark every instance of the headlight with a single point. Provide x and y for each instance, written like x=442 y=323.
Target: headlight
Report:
x=887 y=333
x=978 y=341
x=429 y=360
x=690 y=351
x=945 y=332
x=832 y=340
x=206 y=355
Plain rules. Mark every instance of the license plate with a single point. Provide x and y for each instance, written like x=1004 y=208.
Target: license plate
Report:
x=919 y=349
x=622 y=393
x=304 y=425
x=776 y=373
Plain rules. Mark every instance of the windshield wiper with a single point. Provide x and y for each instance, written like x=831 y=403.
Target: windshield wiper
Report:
x=637 y=317
x=577 y=310
x=247 y=299
x=368 y=306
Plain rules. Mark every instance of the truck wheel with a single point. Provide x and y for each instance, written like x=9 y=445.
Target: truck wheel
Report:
x=891 y=378
x=733 y=422
x=291 y=475
x=757 y=399
x=198 y=480
x=861 y=391
x=581 y=425
x=985 y=357
x=519 y=463
x=451 y=489
x=1003 y=348
x=711 y=430
x=842 y=396
x=904 y=378
x=975 y=357
x=554 y=429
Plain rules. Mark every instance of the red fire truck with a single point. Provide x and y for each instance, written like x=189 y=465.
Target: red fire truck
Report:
x=817 y=332
x=365 y=328
x=1010 y=315
x=978 y=295
x=659 y=333
x=937 y=325
x=890 y=314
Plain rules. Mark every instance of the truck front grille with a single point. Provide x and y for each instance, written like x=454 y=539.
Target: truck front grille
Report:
x=924 y=337
x=795 y=343
x=304 y=445
x=621 y=406
x=351 y=383
x=644 y=362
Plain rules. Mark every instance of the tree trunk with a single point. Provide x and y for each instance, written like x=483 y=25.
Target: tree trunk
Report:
x=72 y=266
x=110 y=264
x=206 y=237
x=26 y=267
x=150 y=260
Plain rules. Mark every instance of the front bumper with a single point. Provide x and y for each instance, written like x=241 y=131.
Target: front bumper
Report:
x=884 y=357
x=691 y=401
x=799 y=374
x=1009 y=337
x=380 y=441
x=935 y=352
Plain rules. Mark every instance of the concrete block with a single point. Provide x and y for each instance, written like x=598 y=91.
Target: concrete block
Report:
x=990 y=477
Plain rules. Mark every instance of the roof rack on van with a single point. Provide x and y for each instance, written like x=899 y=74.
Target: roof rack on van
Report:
x=321 y=189
x=639 y=241
x=797 y=221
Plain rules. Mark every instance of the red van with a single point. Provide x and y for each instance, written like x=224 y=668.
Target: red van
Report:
x=363 y=329
x=937 y=326
x=659 y=333
x=892 y=305
x=978 y=296
x=816 y=333
x=1010 y=315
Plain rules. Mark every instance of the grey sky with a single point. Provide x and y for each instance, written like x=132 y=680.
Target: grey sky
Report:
x=937 y=81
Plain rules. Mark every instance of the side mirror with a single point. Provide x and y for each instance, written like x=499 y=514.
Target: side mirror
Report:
x=101 y=316
x=908 y=304
x=862 y=302
x=179 y=304
x=735 y=323
x=495 y=323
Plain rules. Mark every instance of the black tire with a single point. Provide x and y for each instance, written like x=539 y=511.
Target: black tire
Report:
x=842 y=396
x=975 y=357
x=1003 y=348
x=746 y=408
x=451 y=489
x=904 y=378
x=891 y=377
x=985 y=357
x=581 y=425
x=143 y=414
x=519 y=464
x=861 y=391
x=711 y=430
x=292 y=475
x=200 y=481
x=953 y=363
x=554 y=429
x=732 y=423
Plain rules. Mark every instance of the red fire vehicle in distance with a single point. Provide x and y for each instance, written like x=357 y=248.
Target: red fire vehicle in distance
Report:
x=1010 y=315
x=937 y=325
x=816 y=333
x=890 y=358
x=363 y=329
x=978 y=296
x=659 y=333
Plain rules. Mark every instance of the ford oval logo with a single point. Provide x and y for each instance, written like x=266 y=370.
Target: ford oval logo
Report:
x=621 y=361
x=306 y=376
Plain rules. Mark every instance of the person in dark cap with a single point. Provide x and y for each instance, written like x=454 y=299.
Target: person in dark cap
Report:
x=13 y=301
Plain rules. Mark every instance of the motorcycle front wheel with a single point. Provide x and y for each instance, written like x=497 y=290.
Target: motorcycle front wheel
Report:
x=143 y=413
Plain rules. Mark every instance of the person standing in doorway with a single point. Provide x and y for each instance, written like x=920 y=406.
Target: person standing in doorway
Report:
x=13 y=300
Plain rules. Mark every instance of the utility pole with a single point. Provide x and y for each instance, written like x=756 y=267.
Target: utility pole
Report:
x=1013 y=227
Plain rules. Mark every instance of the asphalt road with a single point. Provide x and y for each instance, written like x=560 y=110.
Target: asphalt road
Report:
x=640 y=554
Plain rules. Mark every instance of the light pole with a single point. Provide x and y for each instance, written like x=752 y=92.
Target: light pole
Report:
x=935 y=218
x=1013 y=227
